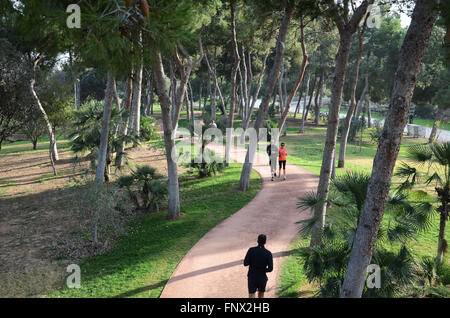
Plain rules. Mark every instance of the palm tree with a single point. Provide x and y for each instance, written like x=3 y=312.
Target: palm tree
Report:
x=437 y=158
x=326 y=263
x=86 y=137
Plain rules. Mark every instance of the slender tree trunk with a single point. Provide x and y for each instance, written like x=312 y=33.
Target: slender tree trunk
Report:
x=300 y=94
x=316 y=100
x=280 y=91
x=234 y=72
x=186 y=102
x=437 y=122
x=308 y=107
x=411 y=53
x=244 y=85
x=104 y=137
x=53 y=152
x=77 y=93
x=351 y=109
x=270 y=85
x=200 y=97
x=137 y=94
x=302 y=124
x=255 y=96
x=362 y=97
x=298 y=82
x=169 y=142
x=212 y=104
x=332 y=129
x=123 y=127
x=205 y=100
x=192 y=104
x=216 y=85
x=150 y=93
x=442 y=243
x=250 y=79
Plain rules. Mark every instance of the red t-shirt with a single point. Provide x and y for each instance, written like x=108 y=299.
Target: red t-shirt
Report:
x=282 y=153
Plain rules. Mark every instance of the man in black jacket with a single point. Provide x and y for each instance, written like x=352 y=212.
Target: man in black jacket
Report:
x=260 y=261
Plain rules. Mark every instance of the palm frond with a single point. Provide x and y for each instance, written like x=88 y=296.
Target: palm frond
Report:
x=310 y=200
x=441 y=153
x=420 y=153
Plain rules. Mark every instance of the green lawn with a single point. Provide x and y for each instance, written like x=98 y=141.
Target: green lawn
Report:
x=417 y=121
x=26 y=146
x=142 y=261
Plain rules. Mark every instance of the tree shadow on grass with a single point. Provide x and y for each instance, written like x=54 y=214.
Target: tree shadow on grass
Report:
x=192 y=274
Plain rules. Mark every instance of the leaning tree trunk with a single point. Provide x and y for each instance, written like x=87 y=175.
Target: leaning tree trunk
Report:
x=298 y=103
x=298 y=82
x=362 y=97
x=104 y=137
x=351 y=109
x=439 y=117
x=244 y=182
x=53 y=151
x=346 y=31
x=411 y=53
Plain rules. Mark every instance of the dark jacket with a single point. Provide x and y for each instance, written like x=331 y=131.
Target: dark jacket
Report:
x=260 y=261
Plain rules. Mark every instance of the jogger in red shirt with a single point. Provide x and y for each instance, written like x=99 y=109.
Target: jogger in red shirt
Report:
x=282 y=153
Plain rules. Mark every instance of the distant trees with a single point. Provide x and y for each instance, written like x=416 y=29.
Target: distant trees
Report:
x=15 y=101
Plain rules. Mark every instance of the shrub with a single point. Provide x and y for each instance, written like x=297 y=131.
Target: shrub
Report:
x=148 y=128
x=356 y=126
x=145 y=185
x=205 y=169
x=102 y=208
x=376 y=133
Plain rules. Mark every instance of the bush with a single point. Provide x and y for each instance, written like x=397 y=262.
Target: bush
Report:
x=356 y=126
x=102 y=208
x=273 y=111
x=145 y=185
x=205 y=169
x=376 y=133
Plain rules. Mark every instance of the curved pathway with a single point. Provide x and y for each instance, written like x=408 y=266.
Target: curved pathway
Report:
x=214 y=266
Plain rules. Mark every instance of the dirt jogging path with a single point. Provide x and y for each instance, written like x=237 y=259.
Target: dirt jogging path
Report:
x=214 y=265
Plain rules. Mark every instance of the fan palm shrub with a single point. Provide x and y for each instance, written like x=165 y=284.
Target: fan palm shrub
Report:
x=326 y=263
x=436 y=159
x=147 y=186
